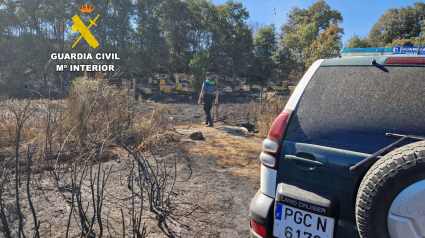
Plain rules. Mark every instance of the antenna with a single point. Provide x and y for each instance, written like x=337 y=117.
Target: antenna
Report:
x=420 y=34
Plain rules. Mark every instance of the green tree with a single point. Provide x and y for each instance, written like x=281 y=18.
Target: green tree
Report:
x=328 y=45
x=151 y=52
x=265 y=44
x=148 y=35
x=198 y=67
x=176 y=29
x=26 y=41
x=284 y=60
x=396 y=24
x=414 y=41
x=31 y=30
x=301 y=43
x=319 y=13
x=310 y=33
x=357 y=42
x=230 y=45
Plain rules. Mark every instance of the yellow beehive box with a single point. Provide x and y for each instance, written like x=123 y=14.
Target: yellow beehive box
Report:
x=187 y=89
x=179 y=86
x=271 y=84
x=237 y=88
x=147 y=90
x=167 y=90
x=162 y=81
x=256 y=86
x=155 y=81
x=227 y=89
x=163 y=87
x=285 y=84
x=280 y=88
x=150 y=80
x=246 y=88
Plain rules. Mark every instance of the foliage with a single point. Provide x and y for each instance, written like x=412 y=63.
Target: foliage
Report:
x=198 y=66
x=284 y=60
x=230 y=45
x=319 y=13
x=265 y=46
x=328 y=45
x=414 y=41
x=149 y=37
x=163 y=36
x=396 y=24
x=312 y=33
x=357 y=42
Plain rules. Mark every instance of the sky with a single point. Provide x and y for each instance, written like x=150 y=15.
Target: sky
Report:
x=359 y=15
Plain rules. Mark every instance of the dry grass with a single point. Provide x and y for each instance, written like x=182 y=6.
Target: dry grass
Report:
x=273 y=105
x=252 y=113
x=67 y=139
x=238 y=151
x=94 y=112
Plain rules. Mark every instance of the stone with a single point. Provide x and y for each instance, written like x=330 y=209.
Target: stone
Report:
x=196 y=136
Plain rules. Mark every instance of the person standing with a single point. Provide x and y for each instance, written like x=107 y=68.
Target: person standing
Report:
x=209 y=87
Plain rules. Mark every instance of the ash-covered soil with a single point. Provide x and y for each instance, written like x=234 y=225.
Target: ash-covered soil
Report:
x=215 y=201
x=207 y=201
x=241 y=114
x=216 y=179
x=225 y=168
x=211 y=203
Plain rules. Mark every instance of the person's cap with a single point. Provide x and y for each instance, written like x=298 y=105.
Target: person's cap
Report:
x=208 y=74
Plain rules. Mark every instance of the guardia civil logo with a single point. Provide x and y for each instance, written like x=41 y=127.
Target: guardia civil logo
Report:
x=79 y=26
x=87 y=65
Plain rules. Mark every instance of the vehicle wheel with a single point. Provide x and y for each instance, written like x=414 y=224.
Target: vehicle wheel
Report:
x=390 y=194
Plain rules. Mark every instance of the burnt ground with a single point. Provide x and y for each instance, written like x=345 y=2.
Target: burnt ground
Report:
x=225 y=177
x=216 y=179
x=212 y=203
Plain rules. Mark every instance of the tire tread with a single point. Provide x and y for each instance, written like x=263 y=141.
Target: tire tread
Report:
x=385 y=168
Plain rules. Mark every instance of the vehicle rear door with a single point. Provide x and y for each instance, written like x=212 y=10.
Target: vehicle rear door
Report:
x=343 y=117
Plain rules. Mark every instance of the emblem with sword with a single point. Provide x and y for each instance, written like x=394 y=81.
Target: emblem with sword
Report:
x=79 y=26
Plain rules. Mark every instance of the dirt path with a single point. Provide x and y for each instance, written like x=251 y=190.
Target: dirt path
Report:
x=225 y=177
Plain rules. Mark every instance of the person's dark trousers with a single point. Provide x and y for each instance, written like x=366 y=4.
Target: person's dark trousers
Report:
x=207 y=102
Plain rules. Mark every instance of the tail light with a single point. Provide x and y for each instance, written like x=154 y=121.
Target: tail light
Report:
x=259 y=229
x=406 y=60
x=271 y=145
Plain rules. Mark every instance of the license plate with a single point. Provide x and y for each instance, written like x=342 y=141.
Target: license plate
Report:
x=291 y=222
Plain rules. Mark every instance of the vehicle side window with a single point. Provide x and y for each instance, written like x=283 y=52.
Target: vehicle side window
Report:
x=352 y=107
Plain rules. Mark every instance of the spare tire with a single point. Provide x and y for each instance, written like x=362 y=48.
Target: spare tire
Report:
x=392 y=176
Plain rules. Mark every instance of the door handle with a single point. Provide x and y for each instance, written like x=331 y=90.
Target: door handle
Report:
x=304 y=162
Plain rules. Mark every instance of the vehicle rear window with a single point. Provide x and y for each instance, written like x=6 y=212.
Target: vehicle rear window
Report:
x=352 y=107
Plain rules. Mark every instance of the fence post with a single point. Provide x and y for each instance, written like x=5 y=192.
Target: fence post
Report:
x=261 y=99
x=216 y=106
x=134 y=90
